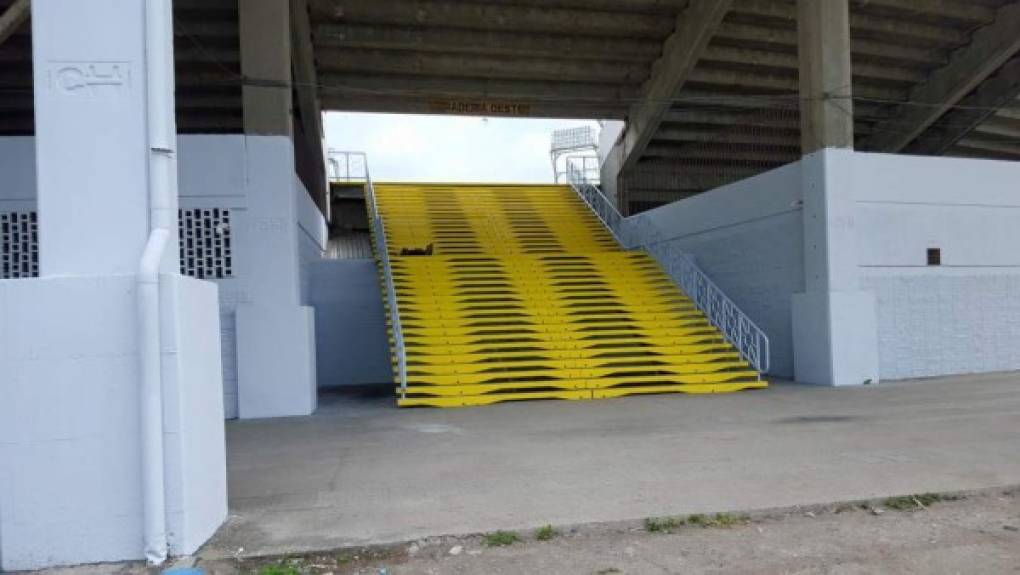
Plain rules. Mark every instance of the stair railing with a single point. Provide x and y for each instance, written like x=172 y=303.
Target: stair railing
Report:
x=604 y=208
x=735 y=325
x=382 y=249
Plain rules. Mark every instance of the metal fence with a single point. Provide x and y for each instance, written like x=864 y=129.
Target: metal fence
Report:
x=347 y=166
x=735 y=325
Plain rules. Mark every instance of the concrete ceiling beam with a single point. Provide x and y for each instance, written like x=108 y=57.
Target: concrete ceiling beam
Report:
x=788 y=61
x=991 y=47
x=478 y=66
x=489 y=16
x=979 y=106
x=787 y=38
x=726 y=118
x=656 y=7
x=897 y=30
x=750 y=135
x=782 y=83
x=722 y=153
x=694 y=29
x=307 y=92
x=564 y=109
x=962 y=10
x=1001 y=127
x=456 y=40
x=474 y=89
x=1002 y=148
x=13 y=18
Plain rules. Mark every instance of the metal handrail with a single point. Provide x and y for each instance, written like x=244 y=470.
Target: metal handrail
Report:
x=604 y=208
x=382 y=249
x=341 y=169
x=735 y=325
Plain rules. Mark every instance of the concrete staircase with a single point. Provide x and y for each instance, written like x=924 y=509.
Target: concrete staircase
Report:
x=508 y=293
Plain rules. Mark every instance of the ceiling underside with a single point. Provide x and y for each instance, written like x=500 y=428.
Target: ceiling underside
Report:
x=736 y=115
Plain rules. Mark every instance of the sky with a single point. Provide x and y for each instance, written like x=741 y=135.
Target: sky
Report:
x=432 y=148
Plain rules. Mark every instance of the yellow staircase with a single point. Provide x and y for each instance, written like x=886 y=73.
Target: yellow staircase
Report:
x=518 y=292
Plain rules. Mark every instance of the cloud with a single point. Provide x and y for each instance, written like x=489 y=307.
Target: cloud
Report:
x=449 y=148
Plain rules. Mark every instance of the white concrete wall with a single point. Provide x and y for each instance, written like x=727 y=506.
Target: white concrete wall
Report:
x=70 y=473
x=212 y=175
x=278 y=231
x=350 y=324
x=961 y=317
x=312 y=237
x=610 y=133
x=195 y=443
x=748 y=237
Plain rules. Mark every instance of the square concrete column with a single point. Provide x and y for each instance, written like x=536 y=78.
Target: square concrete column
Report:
x=91 y=149
x=834 y=323
x=275 y=332
x=71 y=453
x=835 y=334
x=826 y=75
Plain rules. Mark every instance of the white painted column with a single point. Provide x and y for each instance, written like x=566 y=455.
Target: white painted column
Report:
x=91 y=151
x=71 y=421
x=834 y=321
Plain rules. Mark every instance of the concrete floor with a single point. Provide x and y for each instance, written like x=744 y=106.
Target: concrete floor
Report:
x=362 y=472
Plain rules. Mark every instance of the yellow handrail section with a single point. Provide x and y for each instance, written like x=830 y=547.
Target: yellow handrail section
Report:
x=510 y=293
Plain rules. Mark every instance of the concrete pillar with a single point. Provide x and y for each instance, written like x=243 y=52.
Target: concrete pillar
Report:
x=834 y=321
x=275 y=332
x=834 y=329
x=826 y=110
x=71 y=481
x=266 y=66
x=91 y=138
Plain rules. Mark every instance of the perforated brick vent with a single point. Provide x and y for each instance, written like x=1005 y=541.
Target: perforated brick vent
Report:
x=19 y=245
x=206 y=243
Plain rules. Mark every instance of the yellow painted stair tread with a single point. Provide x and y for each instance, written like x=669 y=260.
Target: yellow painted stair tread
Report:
x=525 y=295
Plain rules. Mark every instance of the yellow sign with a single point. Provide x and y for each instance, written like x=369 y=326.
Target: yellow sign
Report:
x=480 y=108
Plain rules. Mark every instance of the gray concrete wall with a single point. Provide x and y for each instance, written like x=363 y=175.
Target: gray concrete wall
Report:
x=748 y=237
x=17 y=166
x=351 y=343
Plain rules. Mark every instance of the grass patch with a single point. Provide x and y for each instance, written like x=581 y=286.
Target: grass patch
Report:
x=670 y=524
x=545 y=533
x=501 y=538
x=279 y=569
x=699 y=520
x=917 y=501
x=663 y=524
x=729 y=520
x=717 y=520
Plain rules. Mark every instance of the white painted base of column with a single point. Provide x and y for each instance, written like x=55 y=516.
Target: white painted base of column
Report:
x=276 y=361
x=835 y=338
x=70 y=451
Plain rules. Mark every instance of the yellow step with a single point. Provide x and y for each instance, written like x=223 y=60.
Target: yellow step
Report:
x=527 y=296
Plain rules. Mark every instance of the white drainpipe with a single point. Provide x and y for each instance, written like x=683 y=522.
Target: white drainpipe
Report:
x=162 y=143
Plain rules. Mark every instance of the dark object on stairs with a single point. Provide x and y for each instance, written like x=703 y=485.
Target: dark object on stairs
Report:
x=426 y=251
